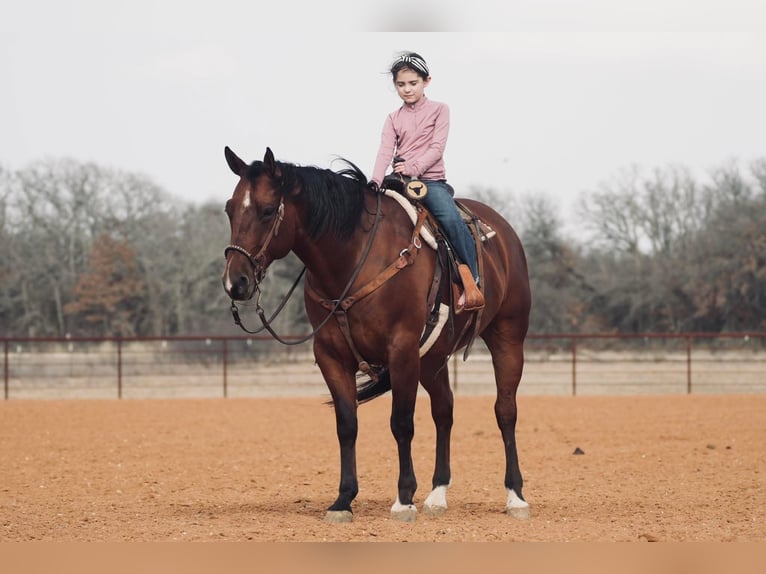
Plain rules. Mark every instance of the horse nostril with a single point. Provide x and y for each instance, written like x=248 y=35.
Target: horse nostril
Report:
x=240 y=287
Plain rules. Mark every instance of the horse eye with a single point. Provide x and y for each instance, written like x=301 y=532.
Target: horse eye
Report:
x=268 y=213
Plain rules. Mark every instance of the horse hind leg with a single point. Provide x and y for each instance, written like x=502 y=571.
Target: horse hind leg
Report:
x=435 y=379
x=404 y=386
x=508 y=362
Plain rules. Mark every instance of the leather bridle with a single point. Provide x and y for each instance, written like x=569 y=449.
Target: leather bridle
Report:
x=259 y=259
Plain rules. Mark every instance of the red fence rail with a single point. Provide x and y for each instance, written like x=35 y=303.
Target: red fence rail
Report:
x=256 y=365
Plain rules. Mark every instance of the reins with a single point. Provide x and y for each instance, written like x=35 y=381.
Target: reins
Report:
x=235 y=310
x=266 y=323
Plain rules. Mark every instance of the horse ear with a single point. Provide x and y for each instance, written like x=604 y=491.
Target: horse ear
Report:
x=270 y=163
x=235 y=164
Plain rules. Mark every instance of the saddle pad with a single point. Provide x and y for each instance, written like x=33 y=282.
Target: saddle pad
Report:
x=425 y=232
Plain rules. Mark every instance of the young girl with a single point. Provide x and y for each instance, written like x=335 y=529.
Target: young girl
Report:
x=414 y=137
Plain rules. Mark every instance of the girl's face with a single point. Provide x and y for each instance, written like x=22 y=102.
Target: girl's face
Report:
x=410 y=86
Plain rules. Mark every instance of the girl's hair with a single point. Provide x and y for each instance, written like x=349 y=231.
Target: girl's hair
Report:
x=410 y=61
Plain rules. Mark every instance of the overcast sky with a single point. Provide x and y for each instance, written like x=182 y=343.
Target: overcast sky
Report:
x=559 y=98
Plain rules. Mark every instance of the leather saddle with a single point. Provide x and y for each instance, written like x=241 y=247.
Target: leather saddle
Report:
x=401 y=184
x=414 y=191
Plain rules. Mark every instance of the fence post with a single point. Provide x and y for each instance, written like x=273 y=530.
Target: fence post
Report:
x=225 y=362
x=574 y=366
x=688 y=364
x=119 y=368
x=454 y=373
x=5 y=368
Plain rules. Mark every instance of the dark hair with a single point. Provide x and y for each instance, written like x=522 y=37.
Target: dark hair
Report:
x=410 y=61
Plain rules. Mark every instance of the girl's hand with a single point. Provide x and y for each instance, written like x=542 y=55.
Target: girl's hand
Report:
x=399 y=168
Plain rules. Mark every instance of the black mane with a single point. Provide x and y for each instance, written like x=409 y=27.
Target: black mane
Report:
x=334 y=200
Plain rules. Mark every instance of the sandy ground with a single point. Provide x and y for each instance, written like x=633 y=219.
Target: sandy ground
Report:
x=654 y=468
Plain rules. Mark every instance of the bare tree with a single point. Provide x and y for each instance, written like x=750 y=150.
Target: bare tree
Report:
x=672 y=251
x=727 y=271
x=53 y=203
x=665 y=252
x=202 y=301
x=6 y=254
x=503 y=202
x=58 y=208
x=758 y=171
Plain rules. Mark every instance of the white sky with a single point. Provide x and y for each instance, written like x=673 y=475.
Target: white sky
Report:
x=559 y=98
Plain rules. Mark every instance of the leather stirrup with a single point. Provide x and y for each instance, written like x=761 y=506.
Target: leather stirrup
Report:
x=474 y=299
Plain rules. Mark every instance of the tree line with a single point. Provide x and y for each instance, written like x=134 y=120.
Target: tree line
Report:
x=92 y=251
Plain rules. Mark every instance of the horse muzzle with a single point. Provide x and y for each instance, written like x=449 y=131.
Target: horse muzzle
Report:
x=238 y=283
x=240 y=288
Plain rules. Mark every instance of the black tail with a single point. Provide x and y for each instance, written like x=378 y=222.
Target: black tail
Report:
x=370 y=389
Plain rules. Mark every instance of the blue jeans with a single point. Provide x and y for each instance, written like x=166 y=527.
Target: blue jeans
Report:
x=440 y=203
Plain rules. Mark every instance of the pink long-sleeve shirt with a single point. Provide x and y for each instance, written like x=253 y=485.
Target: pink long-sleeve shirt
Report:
x=418 y=133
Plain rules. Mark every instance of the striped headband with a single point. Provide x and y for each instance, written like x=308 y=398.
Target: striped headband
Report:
x=413 y=61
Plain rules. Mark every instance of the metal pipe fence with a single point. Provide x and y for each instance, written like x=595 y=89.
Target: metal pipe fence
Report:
x=242 y=366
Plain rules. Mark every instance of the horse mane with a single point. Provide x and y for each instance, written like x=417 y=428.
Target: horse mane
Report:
x=334 y=199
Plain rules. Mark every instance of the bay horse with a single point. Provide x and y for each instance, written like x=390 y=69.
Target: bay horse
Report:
x=366 y=266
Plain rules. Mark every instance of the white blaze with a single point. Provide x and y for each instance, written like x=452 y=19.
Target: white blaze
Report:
x=227 y=283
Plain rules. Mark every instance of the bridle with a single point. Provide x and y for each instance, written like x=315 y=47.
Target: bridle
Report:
x=258 y=260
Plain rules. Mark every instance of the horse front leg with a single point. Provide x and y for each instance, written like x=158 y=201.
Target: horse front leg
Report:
x=341 y=382
x=346 y=425
x=404 y=387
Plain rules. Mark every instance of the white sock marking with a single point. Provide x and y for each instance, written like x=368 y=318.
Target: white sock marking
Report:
x=437 y=498
x=399 y=507
x=514 y=501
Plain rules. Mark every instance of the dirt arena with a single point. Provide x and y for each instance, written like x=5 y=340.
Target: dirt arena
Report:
x=654 y=468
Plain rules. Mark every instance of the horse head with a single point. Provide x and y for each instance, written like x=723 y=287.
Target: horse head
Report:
x=259 y=230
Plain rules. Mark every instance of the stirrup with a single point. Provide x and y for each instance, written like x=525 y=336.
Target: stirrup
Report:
x=472 y=297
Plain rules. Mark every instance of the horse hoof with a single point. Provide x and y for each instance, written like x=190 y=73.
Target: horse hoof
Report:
x=518 y=512
x=338 y=516
x=404 y=512
x=434 y=510
x=436 y=503
x=516 y=506
x=409 y=515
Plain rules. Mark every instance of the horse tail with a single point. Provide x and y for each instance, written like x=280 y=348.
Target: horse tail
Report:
x=371 y=389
